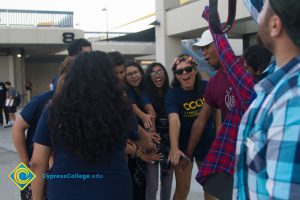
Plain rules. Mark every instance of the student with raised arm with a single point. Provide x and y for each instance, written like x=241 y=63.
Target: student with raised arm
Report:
x=231 y=91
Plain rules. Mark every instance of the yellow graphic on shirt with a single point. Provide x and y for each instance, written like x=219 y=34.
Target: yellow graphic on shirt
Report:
x=21 y=176
x=192 y=108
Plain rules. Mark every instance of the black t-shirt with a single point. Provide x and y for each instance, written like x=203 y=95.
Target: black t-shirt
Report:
x=161 y=121
x=3 y=91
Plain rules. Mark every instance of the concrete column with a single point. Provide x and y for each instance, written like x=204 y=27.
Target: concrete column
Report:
x=17 y=74
x=11 y=70
x=167 y=48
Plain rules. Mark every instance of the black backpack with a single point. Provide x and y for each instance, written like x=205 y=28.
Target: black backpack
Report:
x=17 y=99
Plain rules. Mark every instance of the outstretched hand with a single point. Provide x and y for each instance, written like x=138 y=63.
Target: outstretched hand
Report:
x=147 y=120
x=174 y=156
x=151 y=157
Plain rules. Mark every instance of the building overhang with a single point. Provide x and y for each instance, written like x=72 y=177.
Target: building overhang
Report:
x=39 y=40
x=186 y=21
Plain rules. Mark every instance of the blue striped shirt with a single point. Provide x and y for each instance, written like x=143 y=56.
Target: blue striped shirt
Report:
x=268 y=146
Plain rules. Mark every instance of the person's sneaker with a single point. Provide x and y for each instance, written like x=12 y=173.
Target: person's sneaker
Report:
x=10 y=124
x=7 y=125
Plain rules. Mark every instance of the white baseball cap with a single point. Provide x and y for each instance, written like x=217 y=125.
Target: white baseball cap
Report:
x=206 y=39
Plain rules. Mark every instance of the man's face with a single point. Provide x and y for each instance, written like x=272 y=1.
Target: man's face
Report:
x=210 y=55
x=263 y=30
x=120 y=72
x=86 y=49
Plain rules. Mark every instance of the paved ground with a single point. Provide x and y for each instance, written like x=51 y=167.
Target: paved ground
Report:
x=9 y=160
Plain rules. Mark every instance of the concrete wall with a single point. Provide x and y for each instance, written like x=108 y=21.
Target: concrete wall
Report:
x=15 y=35
x=4 y=68
x=41 y=75
x=189 y=16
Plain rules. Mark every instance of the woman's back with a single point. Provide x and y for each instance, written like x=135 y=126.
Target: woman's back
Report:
x=79 y=128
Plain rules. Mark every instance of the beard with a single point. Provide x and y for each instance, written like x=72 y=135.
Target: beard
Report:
x=263 y=36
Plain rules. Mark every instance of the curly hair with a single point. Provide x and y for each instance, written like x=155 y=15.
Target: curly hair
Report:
x=89 y=116
x=151 y=89
x=199 y=87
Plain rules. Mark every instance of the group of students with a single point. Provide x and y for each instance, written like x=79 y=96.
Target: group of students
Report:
x=104 y=108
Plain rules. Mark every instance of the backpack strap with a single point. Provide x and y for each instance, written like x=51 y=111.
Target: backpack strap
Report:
x=214 y=16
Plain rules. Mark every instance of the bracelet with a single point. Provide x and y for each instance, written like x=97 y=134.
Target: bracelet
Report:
x=139 y=153
x=188 y=158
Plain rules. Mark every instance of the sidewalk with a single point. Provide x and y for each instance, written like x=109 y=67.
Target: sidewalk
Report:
x=9 y=160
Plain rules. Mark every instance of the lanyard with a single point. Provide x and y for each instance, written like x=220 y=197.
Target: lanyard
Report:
x=214 y=16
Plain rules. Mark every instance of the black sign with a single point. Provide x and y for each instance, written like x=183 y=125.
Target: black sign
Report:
x=68 y=37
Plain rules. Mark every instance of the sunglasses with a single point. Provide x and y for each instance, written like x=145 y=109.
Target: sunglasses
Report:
x=187 y=70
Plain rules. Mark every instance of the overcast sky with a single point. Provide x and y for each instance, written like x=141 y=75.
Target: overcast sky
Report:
x=88 y=14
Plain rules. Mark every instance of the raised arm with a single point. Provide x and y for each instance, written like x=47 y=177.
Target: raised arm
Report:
x=241 y=81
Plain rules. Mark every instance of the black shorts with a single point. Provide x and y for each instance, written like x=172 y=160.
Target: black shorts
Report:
x=219 y=185
x=11 y=109
x=200 y=151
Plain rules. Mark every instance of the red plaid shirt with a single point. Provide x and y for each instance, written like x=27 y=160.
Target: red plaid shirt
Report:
x=221 y=156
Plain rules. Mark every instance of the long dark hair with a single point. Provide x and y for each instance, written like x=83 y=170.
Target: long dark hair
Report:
x=89 y=116
x=151 y=89
x=141 y=88
x=198 y=86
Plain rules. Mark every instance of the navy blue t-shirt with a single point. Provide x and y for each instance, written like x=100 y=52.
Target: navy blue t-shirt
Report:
x=109 y=176
x=134 y=133
x=31 y=114
x=187 y=104
x=141 y=100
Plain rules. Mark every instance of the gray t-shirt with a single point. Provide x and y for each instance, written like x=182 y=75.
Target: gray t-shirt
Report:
x=12 y=92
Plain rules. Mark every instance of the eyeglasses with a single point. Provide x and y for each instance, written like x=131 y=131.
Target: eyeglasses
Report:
x=157 y=73
x=187 y=70
x=133 y=74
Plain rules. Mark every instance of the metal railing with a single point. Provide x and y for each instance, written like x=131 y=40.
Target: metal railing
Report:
x=35 y=18
x=97 y=36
